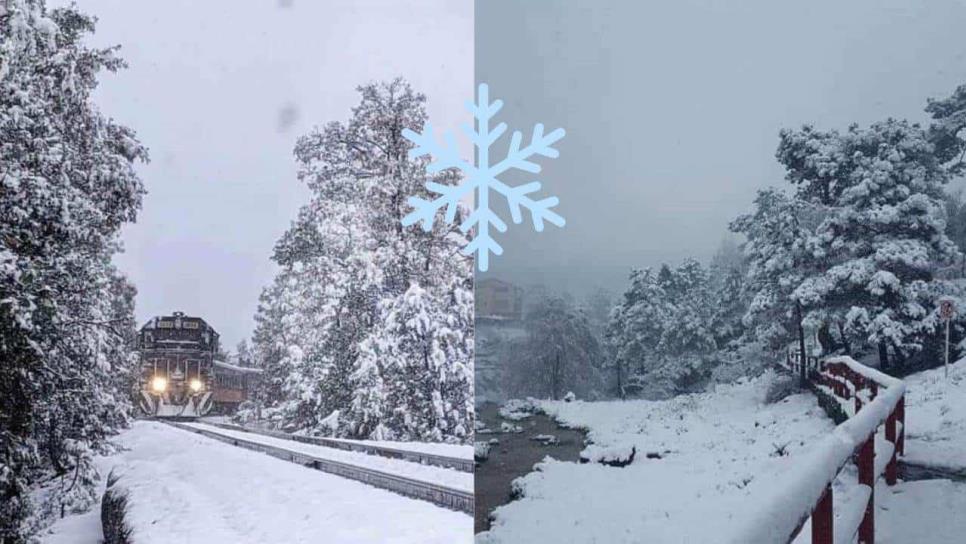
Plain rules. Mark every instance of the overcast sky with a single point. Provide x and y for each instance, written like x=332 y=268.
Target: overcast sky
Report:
x=219 y=91
x=672 y=110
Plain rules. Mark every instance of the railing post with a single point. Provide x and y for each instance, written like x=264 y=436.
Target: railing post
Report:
x=867 y=477
x=858 y=402
x=822 y=518
x=890 y=434
x=901 y=417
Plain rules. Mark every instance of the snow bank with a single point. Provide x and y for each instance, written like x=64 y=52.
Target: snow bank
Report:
x=936 y=418
x=190 y=489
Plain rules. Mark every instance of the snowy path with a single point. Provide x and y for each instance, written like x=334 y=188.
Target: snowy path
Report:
x=936 y=418
x=928 y=511
x=720 y=458
x=190 y=489
x=436 y=475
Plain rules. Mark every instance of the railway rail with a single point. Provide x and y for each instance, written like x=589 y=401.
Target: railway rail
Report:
x=445 y=461
x=454 y=499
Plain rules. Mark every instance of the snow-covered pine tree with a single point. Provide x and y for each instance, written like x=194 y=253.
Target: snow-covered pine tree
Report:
x=776 y=234
x=686 y=349
x=729 y=294
x=347 y=264
x=636 y=327
x=948 y=130
x=67 y=183
x=559 y=352
x=661 y=334
x=882 y=236
x=421 y=345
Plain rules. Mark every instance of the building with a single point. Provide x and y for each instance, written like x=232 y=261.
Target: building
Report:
x=498 y=299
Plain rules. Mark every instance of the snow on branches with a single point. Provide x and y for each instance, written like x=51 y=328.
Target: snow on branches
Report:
x=66 y=316
x=367 y=330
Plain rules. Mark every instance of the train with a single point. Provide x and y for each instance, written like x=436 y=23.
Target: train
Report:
x=183 y=374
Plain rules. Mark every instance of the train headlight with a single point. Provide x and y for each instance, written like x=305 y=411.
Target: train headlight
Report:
x=195 y=385
x=159 y=384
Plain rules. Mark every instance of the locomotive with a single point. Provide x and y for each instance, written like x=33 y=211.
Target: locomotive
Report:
x=182 y=371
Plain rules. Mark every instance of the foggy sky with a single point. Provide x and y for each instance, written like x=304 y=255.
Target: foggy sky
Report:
x=672 y=110
x=219 y=91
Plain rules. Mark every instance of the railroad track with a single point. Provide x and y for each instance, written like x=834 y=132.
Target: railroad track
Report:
x=456 y=463
x=454 y=499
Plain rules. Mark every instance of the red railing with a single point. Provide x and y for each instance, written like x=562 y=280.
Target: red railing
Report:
x=872 y=400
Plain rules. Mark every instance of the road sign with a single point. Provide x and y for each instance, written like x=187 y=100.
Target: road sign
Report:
x=946 y=309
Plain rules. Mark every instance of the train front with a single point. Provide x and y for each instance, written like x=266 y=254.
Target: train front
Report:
x=176 y=355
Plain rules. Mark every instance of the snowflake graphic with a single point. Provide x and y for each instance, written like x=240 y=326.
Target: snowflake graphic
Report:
x=484 y=178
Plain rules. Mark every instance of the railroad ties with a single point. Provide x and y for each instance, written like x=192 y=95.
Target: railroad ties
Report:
x=454 y=499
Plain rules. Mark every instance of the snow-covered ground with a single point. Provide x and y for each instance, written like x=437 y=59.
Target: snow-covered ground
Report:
x=927 y=511
x=936 y=418
x=427 y=473
x=720 y=455
x=189 y=489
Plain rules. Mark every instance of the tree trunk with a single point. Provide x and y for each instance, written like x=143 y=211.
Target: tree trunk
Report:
x=620 y=380
x=898 y=358
x=555 y=383
x=883 y=356
x=845 y=339
x=803 y=377
x=826 y=340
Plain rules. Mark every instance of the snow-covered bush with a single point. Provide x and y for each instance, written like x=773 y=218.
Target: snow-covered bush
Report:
x=481 y=451
x=114 y=504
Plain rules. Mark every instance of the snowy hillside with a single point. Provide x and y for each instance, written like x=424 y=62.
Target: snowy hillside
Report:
x=936 y=418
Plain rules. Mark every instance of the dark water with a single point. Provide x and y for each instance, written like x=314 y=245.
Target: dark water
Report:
x=910 y=472
x=515 y=456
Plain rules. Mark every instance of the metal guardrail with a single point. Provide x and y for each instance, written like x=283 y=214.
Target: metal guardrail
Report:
x=446 y=497
x=464 y=465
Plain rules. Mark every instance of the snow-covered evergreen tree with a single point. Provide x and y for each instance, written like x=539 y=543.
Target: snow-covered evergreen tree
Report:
x=662 y=334
x=947 y=132
x=882 y=237
x=339 y=332
x=559 y=352
x=776 y=236
x=66 y=316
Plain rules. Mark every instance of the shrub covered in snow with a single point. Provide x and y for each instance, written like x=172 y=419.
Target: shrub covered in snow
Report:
x=114 y=524
x=481 y=451
x=517 y=409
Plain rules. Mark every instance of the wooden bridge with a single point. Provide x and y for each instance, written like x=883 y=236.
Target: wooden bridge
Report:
x=872 y=401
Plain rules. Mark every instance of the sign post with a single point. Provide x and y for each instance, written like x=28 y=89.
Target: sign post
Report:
x=946 y=311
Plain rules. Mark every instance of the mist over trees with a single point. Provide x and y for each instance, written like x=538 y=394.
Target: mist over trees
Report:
x=67 y=185
x=851 y=256
x=558 y=353
x=367 y=331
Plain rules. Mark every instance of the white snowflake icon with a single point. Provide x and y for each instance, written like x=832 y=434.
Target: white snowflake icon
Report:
x=484 y=178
